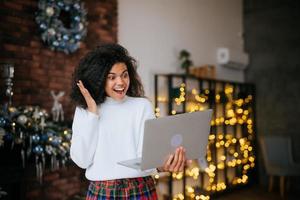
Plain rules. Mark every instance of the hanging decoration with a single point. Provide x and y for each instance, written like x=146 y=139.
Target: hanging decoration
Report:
x=39 y=139
x=62 y=24
x=57 y=108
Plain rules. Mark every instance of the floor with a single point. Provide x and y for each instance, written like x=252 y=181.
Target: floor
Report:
x=247 y=193
x=257 y=193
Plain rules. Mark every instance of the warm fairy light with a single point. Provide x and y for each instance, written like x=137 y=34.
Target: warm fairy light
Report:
x=229 y=150
x=200 y=99
x=239 y=102
x=181 y=98
x=157 y=112
x=230 y=113
x=228 y=90
x=246 y=167
x=227 y=144
x=220 y=136
x=189 y=189
x=232 y=121
x=242 y=141
x=221 y=165
x=239 y=111
x=251 y=159
x=211 y=137
x=194 y=172
x=194 y=91
x=218 y=97
x=178 y=175
x=161 y=99
x=240 y=121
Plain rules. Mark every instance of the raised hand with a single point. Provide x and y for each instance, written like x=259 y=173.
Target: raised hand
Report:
x=90 y=102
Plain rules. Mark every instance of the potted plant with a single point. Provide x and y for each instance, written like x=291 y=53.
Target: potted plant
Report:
x=184 y=57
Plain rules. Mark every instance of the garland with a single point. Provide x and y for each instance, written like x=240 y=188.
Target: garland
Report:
x=56 y=34
x=26 y=129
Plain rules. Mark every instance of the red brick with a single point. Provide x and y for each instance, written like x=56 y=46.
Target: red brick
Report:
x=51 y=177
x=11 y=47
x=13 y=6
x=35 y=43
x=30 y=50
x=60 y=182
x=33 y=194
x=39 y=69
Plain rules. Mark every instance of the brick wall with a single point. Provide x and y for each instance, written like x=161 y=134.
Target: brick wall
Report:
x=66 y=183
x=38 y=70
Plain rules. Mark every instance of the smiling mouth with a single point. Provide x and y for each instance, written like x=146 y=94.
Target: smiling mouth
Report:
x=119 y=91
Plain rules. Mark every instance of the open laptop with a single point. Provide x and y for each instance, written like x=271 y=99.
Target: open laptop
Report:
x=163 y=135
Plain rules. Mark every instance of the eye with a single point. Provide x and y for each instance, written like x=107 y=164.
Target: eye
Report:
x=111 y=77
x=125 y=75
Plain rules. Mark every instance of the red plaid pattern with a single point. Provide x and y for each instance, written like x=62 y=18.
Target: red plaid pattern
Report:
x=141 y=188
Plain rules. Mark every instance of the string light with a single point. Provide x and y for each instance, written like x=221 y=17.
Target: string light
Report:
x=238 y=151
x=157 y=112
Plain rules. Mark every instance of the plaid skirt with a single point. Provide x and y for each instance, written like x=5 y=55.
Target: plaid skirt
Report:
x=141 y=188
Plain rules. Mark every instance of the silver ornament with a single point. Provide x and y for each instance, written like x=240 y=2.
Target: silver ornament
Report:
x=22 y=119
x=49 y=11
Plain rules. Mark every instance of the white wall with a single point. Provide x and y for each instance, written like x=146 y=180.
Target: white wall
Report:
x=154 y=31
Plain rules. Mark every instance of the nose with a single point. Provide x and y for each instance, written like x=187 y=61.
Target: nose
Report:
x=120 y=80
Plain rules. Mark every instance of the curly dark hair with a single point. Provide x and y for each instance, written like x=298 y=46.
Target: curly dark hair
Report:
x=93 y=69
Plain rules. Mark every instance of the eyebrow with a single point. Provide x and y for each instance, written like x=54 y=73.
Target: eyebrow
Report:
x=126 y=70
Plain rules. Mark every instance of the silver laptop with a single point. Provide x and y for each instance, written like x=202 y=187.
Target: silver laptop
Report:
x=163 y=135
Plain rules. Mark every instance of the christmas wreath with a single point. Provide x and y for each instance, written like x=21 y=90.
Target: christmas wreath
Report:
x=62 y=24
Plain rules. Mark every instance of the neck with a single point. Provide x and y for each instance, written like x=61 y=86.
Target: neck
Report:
x=110 y=100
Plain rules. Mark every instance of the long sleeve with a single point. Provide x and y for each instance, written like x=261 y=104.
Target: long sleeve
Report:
x=148 y=113
x=84 y=137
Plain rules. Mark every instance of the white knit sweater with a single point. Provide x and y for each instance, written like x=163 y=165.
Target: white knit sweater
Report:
x=115 y=134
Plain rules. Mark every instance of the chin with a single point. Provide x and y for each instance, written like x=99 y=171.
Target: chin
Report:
x=118 y=97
